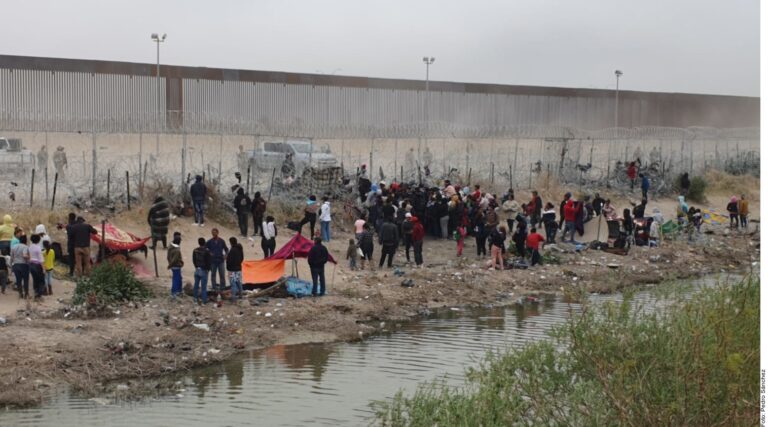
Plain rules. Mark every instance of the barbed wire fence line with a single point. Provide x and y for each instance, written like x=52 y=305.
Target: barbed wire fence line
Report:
x=108 y=157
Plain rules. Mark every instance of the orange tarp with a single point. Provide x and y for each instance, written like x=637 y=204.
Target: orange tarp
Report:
x=263 y=271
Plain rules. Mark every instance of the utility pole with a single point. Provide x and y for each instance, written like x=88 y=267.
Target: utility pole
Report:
x=428 y=60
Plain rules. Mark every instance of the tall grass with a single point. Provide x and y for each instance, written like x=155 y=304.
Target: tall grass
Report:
x=696 y=362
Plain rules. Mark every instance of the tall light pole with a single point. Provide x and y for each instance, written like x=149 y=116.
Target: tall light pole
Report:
x=616 y=106
x=157 y=39
x=428 y=60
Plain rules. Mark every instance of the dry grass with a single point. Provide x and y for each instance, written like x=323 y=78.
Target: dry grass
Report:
x=722 y=183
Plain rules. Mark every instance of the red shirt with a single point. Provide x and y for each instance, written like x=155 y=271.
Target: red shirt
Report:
x=632 y=172
x=570 y=211
x=533 y=240
x=418 y=232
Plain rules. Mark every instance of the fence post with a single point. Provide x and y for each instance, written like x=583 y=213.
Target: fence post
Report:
x=395 y=177
x=103 y=239
x=271 y=183
x=32 y=189
x=127 y=190
x=93 y=166
x=109 y=181
x=46 y=182
x=370 y=162
x=55 y=183
x=514 y=168
x=466 y=162
x=183 y=158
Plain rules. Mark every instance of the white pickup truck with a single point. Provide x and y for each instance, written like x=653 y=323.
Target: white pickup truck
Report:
x=271 y=154
x=14 y=159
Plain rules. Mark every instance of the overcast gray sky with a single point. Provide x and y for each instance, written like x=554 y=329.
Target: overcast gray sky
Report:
x=695 y=46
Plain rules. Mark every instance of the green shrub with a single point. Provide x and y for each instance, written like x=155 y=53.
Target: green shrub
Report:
x=696 y=190
x=694 y=363
x=108 y=283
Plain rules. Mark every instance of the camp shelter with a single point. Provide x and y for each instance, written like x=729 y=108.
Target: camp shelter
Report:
x=271 y=269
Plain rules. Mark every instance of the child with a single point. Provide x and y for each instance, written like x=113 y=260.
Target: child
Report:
x=175 y=263
x=534 y=242
x=352 y=254
x=48 y=258
x=461 y=232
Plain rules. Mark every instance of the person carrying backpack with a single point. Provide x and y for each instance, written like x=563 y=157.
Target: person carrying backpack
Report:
x=242 y=205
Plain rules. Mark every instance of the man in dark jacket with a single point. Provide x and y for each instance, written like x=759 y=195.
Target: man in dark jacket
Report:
x=235 y=269
x=71 y=221
x=258 y=208
x=81 y=235
x=198 y=192
x=201 y=258
x=158 y=218
x=242 y=205
x=316 y=259
x=218 y=248
x=407 y=231
x=388 y=238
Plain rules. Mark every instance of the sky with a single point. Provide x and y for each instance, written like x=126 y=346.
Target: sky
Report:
x=691 y=46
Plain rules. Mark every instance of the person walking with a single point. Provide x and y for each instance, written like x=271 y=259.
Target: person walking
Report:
x=352 y=254
x=743 y=211
x=158 y=218
x=366 y=245
x=235 y=269
x=310 y=215
x=268 y=234
x=258 y=209
x=498 y=236
x=534 y=243
x=198 y=191
x=175 y=263
x=325 y=219
x=645 y=185
x=317 y=258
x=417 y=239
x=733 y=211
x=81 y=233
x=242 y=204
x=388 y=238
x=20 y=266
x=219 y=250
x=201 y=259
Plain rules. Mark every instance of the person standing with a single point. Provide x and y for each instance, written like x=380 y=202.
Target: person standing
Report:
x=510 y=209
x=567 y=197
x=81 y=232
x=388 y=238
x=498 y=236
x=242 y=206
x=20 y=266
x=219 y=250
x=201 y=259
x=258 y=208
x=645 y=185
x=632 y=175
x=268 y=234
x=158 y=218
x=71 y=221
x=317 y=258
x=417 y=238
x=481 y=235
x=198 y=191
x=461 y=233
x=49 y=257
x=550 y=222
x=534 y=243
x=366 y=245
x=60 y=162
x=310 y=215
x=235 y=269
x=3 y=274
x=570 y=221
x=175 y=263
x=743 y=211
x=685 y=184
x=6 y=235
x=407 y=231
x=352 y=254
x=733 y=211
x=536 y=209
x=325 y=219
x=36 y=266
x=42 y=158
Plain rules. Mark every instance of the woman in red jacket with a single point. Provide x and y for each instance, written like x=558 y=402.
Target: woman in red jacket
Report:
x=632 y=175
x=570 y=220
x=417 y=238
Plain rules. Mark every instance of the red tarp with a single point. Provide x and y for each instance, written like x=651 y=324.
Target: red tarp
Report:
x=298 y=247
x=119 y=240
x=263 y=271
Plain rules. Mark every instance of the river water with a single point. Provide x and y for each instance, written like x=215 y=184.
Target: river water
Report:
x=319 y=384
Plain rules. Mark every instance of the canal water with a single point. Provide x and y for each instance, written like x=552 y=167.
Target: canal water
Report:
x=320 y=384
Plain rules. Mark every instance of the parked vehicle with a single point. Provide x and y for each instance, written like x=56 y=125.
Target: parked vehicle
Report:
x=14 y=158
x=271 y=154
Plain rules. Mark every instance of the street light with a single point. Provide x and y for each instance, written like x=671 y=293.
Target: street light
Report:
x=428 y=60
x=616 y=106
x=157 y=39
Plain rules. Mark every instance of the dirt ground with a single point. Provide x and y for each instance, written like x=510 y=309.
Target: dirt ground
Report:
x=43 y=347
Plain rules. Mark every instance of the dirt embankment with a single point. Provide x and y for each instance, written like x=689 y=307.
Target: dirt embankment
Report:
x=43 y=347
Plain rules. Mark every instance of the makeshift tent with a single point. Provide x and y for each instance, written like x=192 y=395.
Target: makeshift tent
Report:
x=119 y=240
x=271 y=269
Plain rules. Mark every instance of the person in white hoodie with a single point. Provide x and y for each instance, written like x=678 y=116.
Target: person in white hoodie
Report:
x=268 y=234
x=325 y=219
x=42 y=232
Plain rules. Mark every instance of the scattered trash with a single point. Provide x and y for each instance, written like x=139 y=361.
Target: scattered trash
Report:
x=3 y=321
x=214 y=351
x=202 y=326
x=121 y=387
x=407 y=283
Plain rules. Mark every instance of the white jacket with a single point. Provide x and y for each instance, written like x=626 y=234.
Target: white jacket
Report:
x=325 y=212
x=269 y=229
